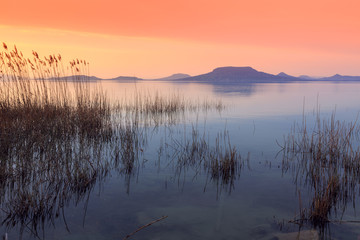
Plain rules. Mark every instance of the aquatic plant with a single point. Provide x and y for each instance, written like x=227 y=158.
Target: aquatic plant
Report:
x=326 y=159
x=60 y=136
x=56 y=138
x=220 y=161
x=155 y=108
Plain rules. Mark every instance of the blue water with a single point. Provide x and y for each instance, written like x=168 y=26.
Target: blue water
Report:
x=260 y=203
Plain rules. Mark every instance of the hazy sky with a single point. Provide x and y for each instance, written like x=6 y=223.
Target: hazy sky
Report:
x=155 y=38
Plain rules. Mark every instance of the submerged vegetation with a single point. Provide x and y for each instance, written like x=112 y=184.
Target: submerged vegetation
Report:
x=60 y=136
x=54 y=138
x=220 y=161
x=326 y=160
x=155 y=109
x=160 y=103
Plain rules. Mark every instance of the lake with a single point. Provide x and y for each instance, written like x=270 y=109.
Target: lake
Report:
x=260 y=199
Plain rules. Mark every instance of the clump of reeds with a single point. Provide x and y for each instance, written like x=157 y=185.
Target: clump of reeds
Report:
x=53 y=137
x=325 y=158
x=158 y=103
x=159 y=108
x=323 y=201
x=60 y=135
x=221 y=161
x=224 y=162
x=29 y=102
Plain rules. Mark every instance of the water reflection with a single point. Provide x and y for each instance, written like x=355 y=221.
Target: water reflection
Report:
x=53 y=156
x=199 y=153
x=41 y=177
x=250 y=99
x=245 y=89
x=148 y=145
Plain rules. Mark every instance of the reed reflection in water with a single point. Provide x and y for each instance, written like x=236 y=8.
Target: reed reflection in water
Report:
x=324 y=157
x=60 y=136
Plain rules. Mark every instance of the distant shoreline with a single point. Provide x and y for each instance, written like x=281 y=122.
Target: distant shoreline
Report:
x=225 y=75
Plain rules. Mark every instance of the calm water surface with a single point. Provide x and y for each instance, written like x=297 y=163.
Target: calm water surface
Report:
x=262 y=198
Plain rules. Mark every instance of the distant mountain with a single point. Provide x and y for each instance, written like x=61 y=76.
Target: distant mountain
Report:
x=338 y=77
x=239 y=74
x=174 y=77
x=307 y=77
x=126 y=78
x=225 y=75
x=282 y=74
x=77 y=78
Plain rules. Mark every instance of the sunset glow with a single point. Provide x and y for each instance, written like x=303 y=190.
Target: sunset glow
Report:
x=152 y=39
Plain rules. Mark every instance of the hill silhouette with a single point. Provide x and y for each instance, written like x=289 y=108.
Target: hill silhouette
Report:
x=175 y=76
x=227 y=75
x=338 y=77
x=239 y=74
x=76 y=78
x=125 y=78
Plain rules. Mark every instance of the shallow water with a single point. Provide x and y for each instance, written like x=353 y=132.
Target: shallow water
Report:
x=260 y=202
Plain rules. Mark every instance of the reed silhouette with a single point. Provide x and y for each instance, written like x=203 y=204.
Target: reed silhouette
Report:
x=220 y=161
x=60 y=136
x=326 y=160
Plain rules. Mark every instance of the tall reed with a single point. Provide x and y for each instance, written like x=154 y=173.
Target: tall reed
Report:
x=53 y=138
x=220 y=160
x=59 y=136
x=326 y=159
x=157 y=108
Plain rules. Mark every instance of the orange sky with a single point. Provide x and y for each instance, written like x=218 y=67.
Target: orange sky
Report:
x=154 y=38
